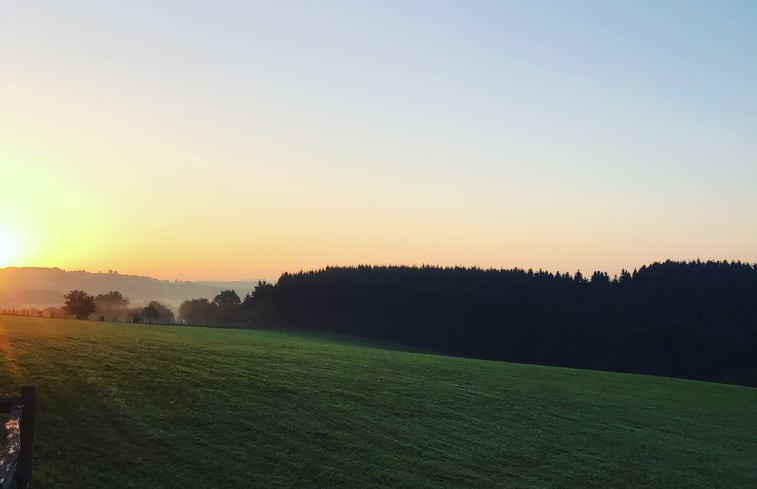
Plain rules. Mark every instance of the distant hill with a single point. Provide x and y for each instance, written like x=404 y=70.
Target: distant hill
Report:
x=41 y=287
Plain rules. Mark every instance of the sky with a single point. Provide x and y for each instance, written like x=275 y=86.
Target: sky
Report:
x=232 y=140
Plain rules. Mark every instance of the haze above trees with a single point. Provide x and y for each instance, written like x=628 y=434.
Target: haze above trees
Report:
x=27 y=287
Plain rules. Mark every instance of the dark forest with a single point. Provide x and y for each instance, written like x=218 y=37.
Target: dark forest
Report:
x=694 y=320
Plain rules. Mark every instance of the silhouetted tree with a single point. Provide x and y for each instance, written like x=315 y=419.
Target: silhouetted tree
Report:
x=79 y=304
x=163 y=313
x=227 y=304
x=600 y=278
x=198 y=311
x=625 y=277
x=257 y=305
x=150 y=313
x=111 y=304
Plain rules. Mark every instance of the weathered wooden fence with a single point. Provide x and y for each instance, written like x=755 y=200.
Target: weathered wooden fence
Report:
x=16 y=447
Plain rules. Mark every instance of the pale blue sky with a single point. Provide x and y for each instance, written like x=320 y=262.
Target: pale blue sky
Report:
x=561 y=135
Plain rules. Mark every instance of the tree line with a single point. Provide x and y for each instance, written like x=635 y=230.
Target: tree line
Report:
x=694 y=319
x=113 y=306
x=223 y=310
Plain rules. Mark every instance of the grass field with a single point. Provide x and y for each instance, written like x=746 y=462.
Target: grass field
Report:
x=175 y=407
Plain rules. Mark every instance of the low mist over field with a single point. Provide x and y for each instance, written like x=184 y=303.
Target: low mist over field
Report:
x=22 y=287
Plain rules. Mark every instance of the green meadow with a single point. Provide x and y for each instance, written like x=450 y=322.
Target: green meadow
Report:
x=133 y=406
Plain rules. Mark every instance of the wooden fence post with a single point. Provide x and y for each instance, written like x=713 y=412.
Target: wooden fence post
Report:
x=24 y=467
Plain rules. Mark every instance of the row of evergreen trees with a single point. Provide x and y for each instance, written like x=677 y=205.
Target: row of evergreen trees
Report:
x=696 y=320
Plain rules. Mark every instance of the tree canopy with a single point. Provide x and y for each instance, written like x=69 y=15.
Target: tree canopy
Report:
x=160 y=313
x=111 y=303
x=198 y=311
x=79 y=304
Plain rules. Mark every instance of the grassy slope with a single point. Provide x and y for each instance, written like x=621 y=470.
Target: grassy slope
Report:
x=141 y=406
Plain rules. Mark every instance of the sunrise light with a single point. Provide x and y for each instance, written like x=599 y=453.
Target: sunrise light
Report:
x=9 y=247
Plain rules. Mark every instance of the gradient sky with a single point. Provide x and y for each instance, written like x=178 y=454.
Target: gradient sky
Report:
x=227 y=140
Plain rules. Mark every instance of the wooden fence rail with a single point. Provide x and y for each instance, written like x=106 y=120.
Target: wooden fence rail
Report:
x=16 y=447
